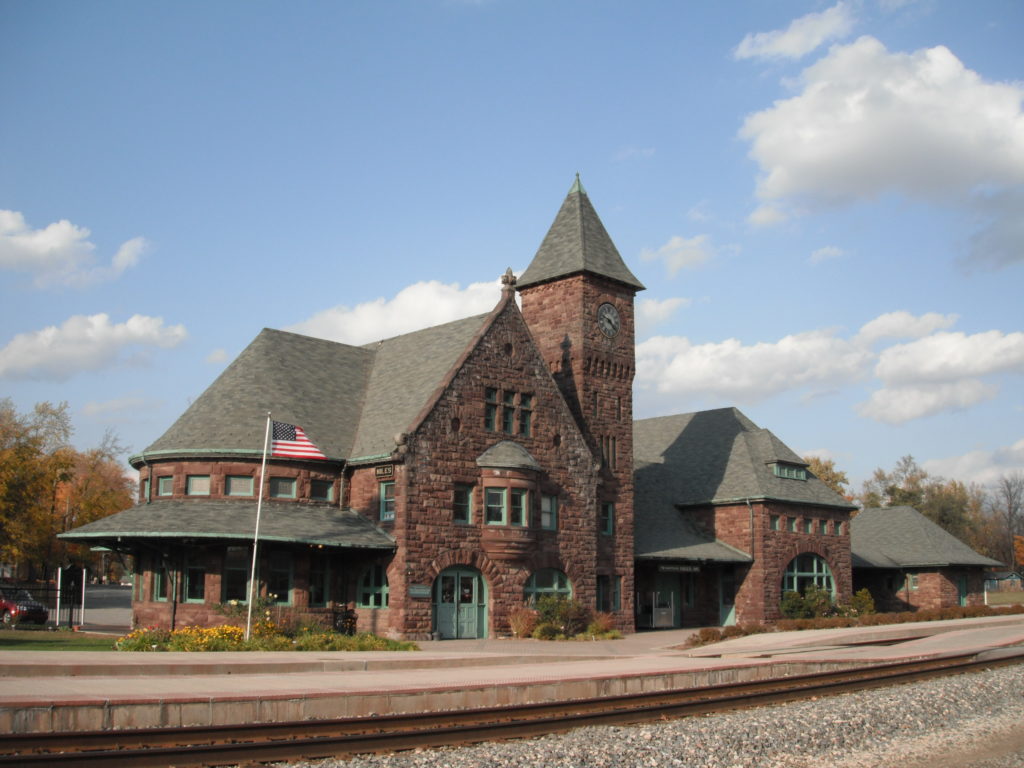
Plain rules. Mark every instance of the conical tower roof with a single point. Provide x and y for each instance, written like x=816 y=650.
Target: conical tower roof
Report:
x=577 y=242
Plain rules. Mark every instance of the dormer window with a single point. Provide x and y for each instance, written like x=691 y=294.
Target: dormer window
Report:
x=789 y=471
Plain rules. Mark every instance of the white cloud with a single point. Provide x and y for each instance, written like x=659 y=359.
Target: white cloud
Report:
x=681 y=253
x=766 y=215
x=83 y=343
x=895 y=405
x=216 y=356
x=950 y=357
x=824 y=254
x=417 y=306
x=652 y=312
x=980 y=466
x=60 y=253
x=127 y=404
x=748 y=373
x=903 y=325
x=801 y=37
x=938 y=371
x=868 y=122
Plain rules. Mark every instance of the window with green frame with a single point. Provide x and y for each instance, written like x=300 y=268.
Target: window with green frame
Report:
x=805 y=570
x=386 y=493
x=525 y=415
x=161 y=583
x=494 y=506
x=144 y=489
x=791 y=524
x=508 y=412
x=912 y=581
x=319 y=578
x=321 y=490
x=606 y=521
x=773 y=522
x=609 y=593
x=197 y=485
x=549 y=512
x=279 y=577
x=282 y=487
x=547 y=581
x=195 y=581
x=165 y=485
x=235 y=584
x=789 y=471
x=238 y=485
x=373 y=588
x=462 y=504
x=519 y=507
x=491 y=409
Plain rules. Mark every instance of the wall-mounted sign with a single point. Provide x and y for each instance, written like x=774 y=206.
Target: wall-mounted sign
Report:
x=385 y=471
x=419 y=590
x=679 y=569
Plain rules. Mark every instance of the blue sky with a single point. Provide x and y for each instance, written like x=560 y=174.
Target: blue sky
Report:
x=824 y=199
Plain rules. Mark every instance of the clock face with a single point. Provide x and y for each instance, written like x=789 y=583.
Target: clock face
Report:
x=608 y=320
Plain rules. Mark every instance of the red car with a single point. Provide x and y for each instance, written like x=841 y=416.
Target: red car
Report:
x=17 y=605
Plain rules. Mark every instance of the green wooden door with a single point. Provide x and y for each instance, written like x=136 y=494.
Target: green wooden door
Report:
x=460 y=604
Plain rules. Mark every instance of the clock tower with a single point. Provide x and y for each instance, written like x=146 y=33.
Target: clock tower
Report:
x=578 y=301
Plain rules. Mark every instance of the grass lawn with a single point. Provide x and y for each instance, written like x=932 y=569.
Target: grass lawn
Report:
x=61 y=640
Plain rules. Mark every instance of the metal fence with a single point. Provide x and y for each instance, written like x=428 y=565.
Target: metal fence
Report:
x=62 y=598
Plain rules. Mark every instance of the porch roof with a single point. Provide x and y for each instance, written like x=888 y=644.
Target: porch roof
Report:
x=234 y=520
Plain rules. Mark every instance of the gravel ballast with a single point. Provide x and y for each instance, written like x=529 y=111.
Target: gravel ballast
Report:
x=967 y=721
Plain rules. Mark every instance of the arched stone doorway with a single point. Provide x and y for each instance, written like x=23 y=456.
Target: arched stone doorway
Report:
x=460 y=603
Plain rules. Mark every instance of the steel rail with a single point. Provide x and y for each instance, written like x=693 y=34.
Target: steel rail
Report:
x=311 y=739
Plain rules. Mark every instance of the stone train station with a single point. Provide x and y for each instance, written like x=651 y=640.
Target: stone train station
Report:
x=477 y=465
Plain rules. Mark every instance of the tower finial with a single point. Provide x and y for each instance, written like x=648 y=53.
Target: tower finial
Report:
x=577 y=185
x=508 y=280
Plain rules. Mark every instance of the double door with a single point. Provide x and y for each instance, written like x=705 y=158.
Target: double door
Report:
x=460 y=604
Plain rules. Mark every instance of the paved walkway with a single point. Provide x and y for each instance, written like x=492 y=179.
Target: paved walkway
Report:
x=52 y=690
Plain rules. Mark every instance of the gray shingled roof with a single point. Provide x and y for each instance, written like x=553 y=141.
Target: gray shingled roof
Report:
x=351 y=401
x=577 y=242
x=901 y=537
x=507 y=454
x=709 y=457
x=718 y=456
x=406 y=371
x=313 y=383
x=236 y=519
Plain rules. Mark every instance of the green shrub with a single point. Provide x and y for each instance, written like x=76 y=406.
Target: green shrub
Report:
x=569 y=615
x=792 y=605
x=862 y=603
x=546 y=631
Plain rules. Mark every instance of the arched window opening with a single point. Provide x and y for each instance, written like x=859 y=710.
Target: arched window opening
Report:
x=547 y=581
x=805 y=570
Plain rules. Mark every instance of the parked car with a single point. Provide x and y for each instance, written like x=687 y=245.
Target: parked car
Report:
x=18 y=605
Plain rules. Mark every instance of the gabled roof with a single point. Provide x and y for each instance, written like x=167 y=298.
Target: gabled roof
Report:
x=717 y=457
x=351 y=401
x=406 y=371
x=236 y=519
x=577 y=242
x=901 y=537
x=316 y=384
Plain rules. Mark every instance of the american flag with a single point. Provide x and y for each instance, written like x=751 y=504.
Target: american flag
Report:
x=291 y=442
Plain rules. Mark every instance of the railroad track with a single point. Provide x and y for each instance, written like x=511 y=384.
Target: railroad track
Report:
x=312 y=739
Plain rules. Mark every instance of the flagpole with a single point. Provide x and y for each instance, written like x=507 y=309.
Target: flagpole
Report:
x=256 y=534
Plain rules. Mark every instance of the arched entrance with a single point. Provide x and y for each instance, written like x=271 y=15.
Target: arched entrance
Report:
x=460 y=604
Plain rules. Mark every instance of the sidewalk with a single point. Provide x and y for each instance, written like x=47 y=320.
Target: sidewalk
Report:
x=51 y=690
